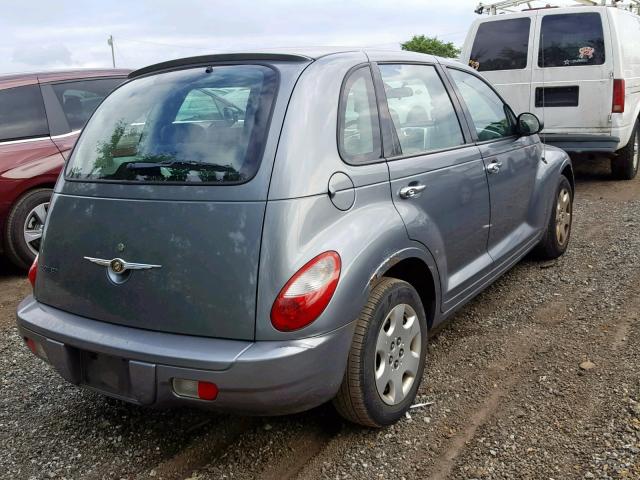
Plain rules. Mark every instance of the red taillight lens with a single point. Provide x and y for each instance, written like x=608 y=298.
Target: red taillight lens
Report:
x=33 y=272
x=618 y=96
x=307 y=294
x=195 y=389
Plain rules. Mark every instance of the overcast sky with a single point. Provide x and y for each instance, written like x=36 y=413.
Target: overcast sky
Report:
x=44 y=34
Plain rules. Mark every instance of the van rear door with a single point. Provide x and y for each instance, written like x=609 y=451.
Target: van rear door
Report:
x=499 y=49
x=572 y=71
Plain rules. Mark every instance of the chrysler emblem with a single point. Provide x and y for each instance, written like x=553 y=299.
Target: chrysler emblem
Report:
x=120 y=266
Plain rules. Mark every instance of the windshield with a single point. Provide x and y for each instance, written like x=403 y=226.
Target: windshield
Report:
x=204 y=124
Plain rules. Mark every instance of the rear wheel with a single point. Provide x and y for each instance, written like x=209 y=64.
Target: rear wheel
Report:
x=387 y=356
x=625 y=165
x=25 y=225
x=556 y=238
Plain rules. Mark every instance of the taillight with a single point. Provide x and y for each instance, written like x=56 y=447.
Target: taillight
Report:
x=307 y=294
x=618 y=96
x=33 y=272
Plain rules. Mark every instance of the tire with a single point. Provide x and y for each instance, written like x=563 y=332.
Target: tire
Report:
x=625 y=165
x=360 y=399
x=16 y=247
x=553 y=244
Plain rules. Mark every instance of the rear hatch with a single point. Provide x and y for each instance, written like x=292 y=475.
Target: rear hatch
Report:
x=171 y=177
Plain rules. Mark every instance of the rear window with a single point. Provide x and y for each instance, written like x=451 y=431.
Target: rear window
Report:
x=22 y=113
x=80 y=98
x=200 y=125
x=501 y=45
x=572 y=39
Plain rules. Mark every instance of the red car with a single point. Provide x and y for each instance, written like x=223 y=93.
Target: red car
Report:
x=41 y=115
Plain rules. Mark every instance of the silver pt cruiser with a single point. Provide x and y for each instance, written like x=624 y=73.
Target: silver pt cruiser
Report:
x=266 y=232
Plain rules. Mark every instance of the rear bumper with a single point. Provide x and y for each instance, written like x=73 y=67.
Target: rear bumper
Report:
x=262 y=378
x=579 y=143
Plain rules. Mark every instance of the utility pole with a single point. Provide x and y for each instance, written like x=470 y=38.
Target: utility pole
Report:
x=113 y=55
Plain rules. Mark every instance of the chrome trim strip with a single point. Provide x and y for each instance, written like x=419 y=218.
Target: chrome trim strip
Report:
x=35 y=139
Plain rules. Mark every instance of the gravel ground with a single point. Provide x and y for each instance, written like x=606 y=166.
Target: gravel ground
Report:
x=539 y=378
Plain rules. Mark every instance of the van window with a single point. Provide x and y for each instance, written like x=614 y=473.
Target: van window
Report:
x=422 y=113
x=359 y=136
x=22 y=113
x=571 y=39
x=501 y=45
x=79 y=99
x=188 y=126
x=491 y=117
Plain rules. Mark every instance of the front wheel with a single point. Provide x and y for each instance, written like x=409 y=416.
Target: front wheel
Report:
x=556 y=237
x=387 y=356
x=625 y=165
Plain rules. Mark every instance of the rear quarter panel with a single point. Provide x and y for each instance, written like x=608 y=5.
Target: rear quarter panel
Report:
x=625 y=31
x=25 y=165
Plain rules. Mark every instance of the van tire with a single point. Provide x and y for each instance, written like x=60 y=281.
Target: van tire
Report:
x=15 y=246
x=625 y=164
x=550 y=246
x=358 y=399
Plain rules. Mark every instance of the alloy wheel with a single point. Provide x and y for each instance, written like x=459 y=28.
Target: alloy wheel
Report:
x=34 y=227
x=563 y=216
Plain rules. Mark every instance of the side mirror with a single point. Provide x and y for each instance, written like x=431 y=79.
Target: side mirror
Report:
x=529 y=124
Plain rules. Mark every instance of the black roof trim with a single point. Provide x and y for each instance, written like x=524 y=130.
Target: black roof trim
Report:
x=224 y=57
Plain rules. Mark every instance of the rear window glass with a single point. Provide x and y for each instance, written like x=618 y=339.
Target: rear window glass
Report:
x=501 y=45
x=79 y=99
x=189 y=126
x=22 y=113
x=572 y=39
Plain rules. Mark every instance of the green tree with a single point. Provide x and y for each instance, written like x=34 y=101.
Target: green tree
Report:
x=431 y=45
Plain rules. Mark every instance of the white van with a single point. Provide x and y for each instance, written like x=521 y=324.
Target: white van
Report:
x=577 y=68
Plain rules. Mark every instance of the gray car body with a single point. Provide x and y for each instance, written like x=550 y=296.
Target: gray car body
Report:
x=205 y=314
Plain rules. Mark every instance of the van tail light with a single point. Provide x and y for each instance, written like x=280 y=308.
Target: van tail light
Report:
x=33 y=272
x=307 y=293
x=618 y=96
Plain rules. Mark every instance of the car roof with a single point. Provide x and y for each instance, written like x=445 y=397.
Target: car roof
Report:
x=19 y=79
x=309 y=54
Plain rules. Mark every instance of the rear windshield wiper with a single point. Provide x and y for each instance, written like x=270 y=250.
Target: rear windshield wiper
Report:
x=198 y=166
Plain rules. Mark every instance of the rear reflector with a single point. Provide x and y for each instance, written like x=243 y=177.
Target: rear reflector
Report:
x=307 y=293
x=195 y=389
x=618 y=96
x=36 y=348
x=33 y=272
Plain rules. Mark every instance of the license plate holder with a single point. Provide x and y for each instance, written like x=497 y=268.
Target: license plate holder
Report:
x=105 y=373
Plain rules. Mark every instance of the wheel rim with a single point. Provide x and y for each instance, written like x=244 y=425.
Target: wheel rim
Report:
x=34 y=227
x=563 y=216
x=398 y=354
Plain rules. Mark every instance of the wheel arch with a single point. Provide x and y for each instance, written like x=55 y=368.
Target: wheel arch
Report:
x=419 y=270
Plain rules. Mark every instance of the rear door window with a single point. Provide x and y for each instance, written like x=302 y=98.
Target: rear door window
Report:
x=198 y=125
x=422 y=113
x=22 y=113
x=79 y=99
x=572 y=39
x=359 y=135
x=491 y=117
x=501 y=45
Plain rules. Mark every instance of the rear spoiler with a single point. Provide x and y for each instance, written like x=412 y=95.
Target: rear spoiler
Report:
x=224 y=57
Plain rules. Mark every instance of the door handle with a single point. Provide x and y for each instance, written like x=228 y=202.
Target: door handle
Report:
x=412 y=191
x=494 y=167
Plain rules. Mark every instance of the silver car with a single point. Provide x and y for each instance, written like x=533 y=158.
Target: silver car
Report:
x=266 y=232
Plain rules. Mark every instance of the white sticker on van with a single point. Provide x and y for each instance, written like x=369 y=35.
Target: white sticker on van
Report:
x=587 y=52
